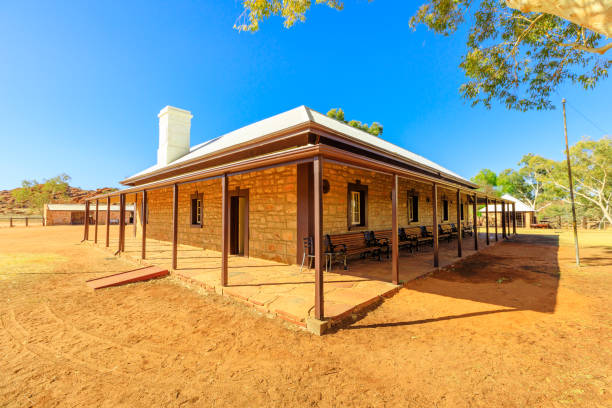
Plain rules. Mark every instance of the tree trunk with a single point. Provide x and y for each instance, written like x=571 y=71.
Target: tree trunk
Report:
x=595 y=15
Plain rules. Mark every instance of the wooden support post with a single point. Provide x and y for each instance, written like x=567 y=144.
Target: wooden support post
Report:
x=513 y=218
x=121 y=222
x=108 y=218
x=459 y=226
x=495 y=209
x=11 y=222
x=26 y=221
x=508 y=218
x=174 y=225
x=96 y=225
x=507 y=211
x=394 y=233
x=475 y=221
x=317 y=169
x=434 y=193
x=143 y=217
x=503 y=208
x=224 y=229
x=134 y=212
x=86 y=231
x=123 y=228
x=487 y=218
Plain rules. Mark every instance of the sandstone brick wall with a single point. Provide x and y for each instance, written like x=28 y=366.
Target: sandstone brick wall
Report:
x=335 y=201
x=272 y=213
x=114 y=216
x=160 y=215
x=273 y=208
x=58 y=217
x=54 y=217
x=379 y=200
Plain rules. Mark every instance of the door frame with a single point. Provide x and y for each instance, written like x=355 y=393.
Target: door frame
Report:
x=238 y=192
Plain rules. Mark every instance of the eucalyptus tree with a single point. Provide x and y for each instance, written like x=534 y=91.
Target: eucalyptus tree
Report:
x=375 y=129
x=591 y=172
x=517 y=58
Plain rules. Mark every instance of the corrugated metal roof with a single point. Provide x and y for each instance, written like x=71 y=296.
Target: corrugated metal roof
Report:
x=292 y=118
x=81 y=207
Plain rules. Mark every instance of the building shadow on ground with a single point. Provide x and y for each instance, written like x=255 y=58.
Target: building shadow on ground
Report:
x=431 y=320
x=520 y=274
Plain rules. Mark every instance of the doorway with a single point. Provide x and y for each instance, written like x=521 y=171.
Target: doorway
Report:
x=239 y=223
x=77 y=218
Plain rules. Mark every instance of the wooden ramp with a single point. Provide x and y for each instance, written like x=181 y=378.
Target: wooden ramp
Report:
x=136 y=275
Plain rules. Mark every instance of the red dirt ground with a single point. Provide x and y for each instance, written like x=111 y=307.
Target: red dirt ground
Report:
x=516 y=326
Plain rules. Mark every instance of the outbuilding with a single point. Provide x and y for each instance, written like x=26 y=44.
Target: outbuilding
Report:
x=525 y=214
x=74 y=214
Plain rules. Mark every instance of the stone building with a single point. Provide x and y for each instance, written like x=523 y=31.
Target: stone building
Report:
x=261 y=190
x=74 y=214
x=525 y=214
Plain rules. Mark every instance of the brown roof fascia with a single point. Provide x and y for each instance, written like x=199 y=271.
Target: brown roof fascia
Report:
x=285 y=157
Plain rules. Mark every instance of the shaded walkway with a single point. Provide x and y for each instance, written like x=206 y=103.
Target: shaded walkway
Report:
x=283 y=290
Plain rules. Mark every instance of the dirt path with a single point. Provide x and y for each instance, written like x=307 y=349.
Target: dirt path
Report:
x=516 y=326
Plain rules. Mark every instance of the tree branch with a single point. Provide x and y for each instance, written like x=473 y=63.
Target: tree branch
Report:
x=601 y=50
x=525 y=32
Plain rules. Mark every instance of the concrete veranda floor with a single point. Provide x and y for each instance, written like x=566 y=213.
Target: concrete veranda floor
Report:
x=283 y=290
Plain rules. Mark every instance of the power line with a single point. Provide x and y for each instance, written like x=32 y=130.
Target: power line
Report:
x=585 y=117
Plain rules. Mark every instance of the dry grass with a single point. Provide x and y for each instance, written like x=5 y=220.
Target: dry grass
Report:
x=586 y=238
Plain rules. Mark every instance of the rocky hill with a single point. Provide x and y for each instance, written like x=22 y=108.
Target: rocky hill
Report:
x=73 y=195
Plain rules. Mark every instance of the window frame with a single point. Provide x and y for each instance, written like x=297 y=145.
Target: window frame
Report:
x=412 y=203
x=363 y=205
x=444 y=210
x=194 y=200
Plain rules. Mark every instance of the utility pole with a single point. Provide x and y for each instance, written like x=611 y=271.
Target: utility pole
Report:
x=571 y=187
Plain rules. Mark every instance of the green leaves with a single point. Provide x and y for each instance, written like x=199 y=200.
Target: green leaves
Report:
x=376 y=129
x=544 y=183
x=292 y=11
x=514 y=58
x=35 y=195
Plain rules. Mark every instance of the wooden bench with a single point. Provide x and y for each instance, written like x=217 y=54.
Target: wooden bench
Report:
x=385 y=237
x=446 y=231
x=418 y=236
x=341 y=246
x=467 y=229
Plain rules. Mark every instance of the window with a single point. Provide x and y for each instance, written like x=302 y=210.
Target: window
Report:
x=445 y=210
x=413 y=208
x=462 y=205
x=196 y=210
x=357 y=205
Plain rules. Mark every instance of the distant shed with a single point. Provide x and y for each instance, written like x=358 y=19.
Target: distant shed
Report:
x=525 y=214
x=74 y=214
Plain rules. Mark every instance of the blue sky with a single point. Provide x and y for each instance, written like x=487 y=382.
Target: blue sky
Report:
x=82 y=83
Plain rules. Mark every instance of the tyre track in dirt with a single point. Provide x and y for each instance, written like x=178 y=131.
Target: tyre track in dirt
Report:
x=85 y=352
x=21 y=337
x=78 y=346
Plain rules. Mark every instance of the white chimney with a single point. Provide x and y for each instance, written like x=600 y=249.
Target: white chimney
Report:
x=174 y=128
